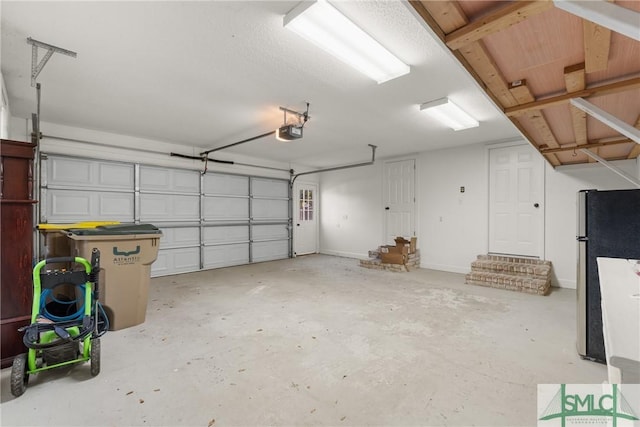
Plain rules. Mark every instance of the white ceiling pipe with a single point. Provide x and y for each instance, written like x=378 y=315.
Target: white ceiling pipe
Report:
x=608 y=119
x=612 y=168
x=609 y=15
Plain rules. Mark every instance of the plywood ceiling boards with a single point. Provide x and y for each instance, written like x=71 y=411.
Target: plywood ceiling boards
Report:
x=510 y=14
x=532 y=58
x=615 y=151
x=619 y=105
x=530 y=50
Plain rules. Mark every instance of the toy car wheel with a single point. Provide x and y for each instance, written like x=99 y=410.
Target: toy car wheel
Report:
x=19 y=375
x=95 y=356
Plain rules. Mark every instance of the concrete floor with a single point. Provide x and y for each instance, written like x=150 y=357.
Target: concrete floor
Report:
x=318 y=340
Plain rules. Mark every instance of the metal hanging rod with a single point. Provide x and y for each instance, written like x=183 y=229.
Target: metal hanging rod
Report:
x=36 y=67
x=204 y=153
x=336 y=168
x=304 y=116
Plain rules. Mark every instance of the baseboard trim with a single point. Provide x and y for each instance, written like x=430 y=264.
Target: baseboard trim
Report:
x=345 y=254
x=447 y=268
x=564 y=283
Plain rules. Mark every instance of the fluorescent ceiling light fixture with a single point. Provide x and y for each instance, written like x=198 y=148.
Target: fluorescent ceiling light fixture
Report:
x=323 y=25
x=449 y=114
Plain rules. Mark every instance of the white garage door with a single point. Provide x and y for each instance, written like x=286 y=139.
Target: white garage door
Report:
x=211 y=221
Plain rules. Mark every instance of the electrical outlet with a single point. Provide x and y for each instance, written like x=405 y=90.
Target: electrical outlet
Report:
x=462 y=189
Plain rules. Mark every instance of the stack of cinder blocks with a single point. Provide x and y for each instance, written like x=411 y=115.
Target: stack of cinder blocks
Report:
x=399 y=258
x=517 y=274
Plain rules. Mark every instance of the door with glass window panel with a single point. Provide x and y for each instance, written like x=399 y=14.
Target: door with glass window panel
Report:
x=305 y=217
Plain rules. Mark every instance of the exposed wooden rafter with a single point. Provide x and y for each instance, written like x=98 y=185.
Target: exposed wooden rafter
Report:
x=521 y=92
x=504 y=17
x=597 y=41
x=575 y=80
x=635 y=151
x=605 y=89
x=533 y=40
x=594 y=144
x=446 y=15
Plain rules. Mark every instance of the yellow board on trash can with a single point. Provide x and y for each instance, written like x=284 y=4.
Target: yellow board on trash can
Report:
x=76 y=225
x=56 y=243
x=126 y=254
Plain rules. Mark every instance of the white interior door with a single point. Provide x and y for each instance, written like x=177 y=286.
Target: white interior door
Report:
x=305 y=218
x=399 y=199
x=516 y=194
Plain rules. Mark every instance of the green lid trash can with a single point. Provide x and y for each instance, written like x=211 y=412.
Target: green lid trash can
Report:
x=126 y=254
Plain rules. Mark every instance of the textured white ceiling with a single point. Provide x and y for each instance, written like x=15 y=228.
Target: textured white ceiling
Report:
x=210 y=73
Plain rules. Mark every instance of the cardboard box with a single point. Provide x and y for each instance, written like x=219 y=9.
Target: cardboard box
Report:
x=392 y=258
x=404 y=250
x=411 y=244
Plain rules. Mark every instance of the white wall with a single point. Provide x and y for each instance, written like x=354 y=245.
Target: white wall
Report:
x=452 y=227
x=5 y=113
x=351 y=212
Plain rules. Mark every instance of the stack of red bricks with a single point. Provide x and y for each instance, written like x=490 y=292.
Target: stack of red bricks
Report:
x=399 y=258
x=517 y=274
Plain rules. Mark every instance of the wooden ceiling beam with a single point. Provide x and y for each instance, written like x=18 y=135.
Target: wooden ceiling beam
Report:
x=443 y=17
x=481 y=61
x=448 y=15
x=522 y=94
x=605 y=89
x=574 y=80
x=536 y=117
x=551 y=158
x=635 y=151
x=499 y=20
x=599 y=143
x=597 y=42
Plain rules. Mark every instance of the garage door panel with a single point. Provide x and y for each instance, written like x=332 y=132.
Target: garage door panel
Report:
x=269 y=251
x=270 y=232
x=225 y=208
x=226 y=185
x=115 y=176
x=179 y=237
x=208 y=221
x=172 y=261
x=73 y=205
x=276 y=188
x=264 y=209
x=169 y=180
x=81 y=173
x=226 y=234
x=169 y=207
x=226 y=255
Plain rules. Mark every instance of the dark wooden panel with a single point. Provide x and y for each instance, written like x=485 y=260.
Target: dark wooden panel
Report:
x=16 y=262
x=12 y=339
x=16 y=244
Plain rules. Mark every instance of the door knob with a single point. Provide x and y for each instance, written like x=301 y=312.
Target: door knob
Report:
x=536 y=205
x=387 y=208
